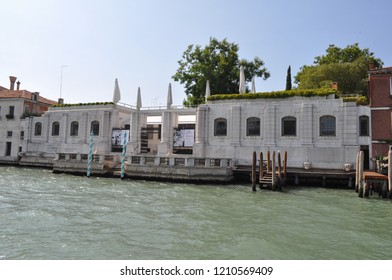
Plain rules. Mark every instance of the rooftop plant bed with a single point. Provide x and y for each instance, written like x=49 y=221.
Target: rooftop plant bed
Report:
x=83 y=104
x=360 y=100
x=275 y=94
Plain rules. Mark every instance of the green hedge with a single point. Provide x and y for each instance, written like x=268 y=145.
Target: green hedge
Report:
x=360 y=100
x=274 y=94
x=83 y=104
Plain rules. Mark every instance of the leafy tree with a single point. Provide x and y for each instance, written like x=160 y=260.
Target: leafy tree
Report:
x=217 y=62
x=288 y=79
x=348 y=67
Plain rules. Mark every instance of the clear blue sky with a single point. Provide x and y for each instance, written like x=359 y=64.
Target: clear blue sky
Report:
x=140 y=42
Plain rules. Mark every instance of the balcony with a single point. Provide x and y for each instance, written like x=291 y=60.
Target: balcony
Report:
x=10 y=116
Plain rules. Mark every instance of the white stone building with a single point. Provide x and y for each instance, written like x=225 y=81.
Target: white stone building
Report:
x=322 y=130
x=67 y=129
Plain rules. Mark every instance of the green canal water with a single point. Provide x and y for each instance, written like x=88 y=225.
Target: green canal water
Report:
x=57 y=216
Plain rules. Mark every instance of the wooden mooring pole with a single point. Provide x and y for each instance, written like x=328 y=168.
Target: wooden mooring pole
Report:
x=268 y=162
x=357 y=173
x=261 y=172
x=273 y=172
x=254 y=171
x=390 y=174
x=360 y=175
x=284 y=167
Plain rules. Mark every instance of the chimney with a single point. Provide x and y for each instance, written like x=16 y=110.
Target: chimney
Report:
x=335 y=85
x=371 y=66
x=12 y=82
x=18 y=85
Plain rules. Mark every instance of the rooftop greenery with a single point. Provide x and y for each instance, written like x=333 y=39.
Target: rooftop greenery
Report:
x=275 y=94
x=83 y=104
x=360 y=100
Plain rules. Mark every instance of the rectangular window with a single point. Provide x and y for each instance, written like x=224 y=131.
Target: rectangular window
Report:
x=9 y=133
x=11 y=112
x=220 y=127
x=22 y=135
x=363 y=126
x=327 y=126
x=289 y=126
x=253 y=127
x=8 y=149
x=390 y=86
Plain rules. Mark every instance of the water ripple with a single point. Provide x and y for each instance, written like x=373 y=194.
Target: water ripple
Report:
x=56 y=216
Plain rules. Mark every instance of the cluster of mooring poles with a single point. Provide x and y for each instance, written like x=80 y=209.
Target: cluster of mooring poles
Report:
x=123 y=154
x=368 y=181
x=270 y=177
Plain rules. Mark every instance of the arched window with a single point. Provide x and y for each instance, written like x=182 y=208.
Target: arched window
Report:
x=55 y=129
x=327 y=126
x=220 y=127
x=363 y=126
x=74 y=128
x=289 y=126
x=38 y=129
x=253 y=126
x=95 y=128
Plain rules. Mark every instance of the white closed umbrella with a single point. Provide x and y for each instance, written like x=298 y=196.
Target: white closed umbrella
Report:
x=169 y=97
x=139 y=99
x=242 y=80
x=253 y=85
x=116 y=93
x=208 y=91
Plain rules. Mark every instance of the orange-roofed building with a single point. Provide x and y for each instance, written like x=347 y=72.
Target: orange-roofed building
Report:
x=15 y=106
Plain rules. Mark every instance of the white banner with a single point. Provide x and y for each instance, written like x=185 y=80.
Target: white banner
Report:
x=230 y=269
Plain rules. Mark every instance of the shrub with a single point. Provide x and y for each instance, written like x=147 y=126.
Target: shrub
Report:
x=360 y=100
x=274 y=94
x=83 y=104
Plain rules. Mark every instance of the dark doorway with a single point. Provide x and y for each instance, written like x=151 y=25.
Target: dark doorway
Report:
x=365 y=150
x=8 y=149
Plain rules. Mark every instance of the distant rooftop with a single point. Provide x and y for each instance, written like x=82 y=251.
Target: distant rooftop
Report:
x=385 y=70
x=24 y=94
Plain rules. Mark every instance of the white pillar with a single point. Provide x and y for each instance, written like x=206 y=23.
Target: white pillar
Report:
x=166 y=129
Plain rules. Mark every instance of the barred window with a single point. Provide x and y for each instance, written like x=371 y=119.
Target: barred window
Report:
x=289 y=126
x=74 y=128
x=220 y=127
x=95 y=128
x=55 y=129
x=38 y=129
x=327 y=126
x=363 y=126
x=253 y=126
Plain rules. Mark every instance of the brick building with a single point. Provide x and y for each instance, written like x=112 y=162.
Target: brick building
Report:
x=380 y=95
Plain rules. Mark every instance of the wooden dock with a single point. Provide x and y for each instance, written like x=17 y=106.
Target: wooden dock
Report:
x=367 y=182
x=374 y=176
x=272 y=177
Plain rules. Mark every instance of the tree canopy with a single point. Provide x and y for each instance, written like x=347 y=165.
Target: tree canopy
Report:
x=219 y=63
x=348 y=67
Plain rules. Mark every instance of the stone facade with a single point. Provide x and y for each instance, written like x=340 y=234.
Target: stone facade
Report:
x=17 y=108
x=67 y=129
x=322 y=130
